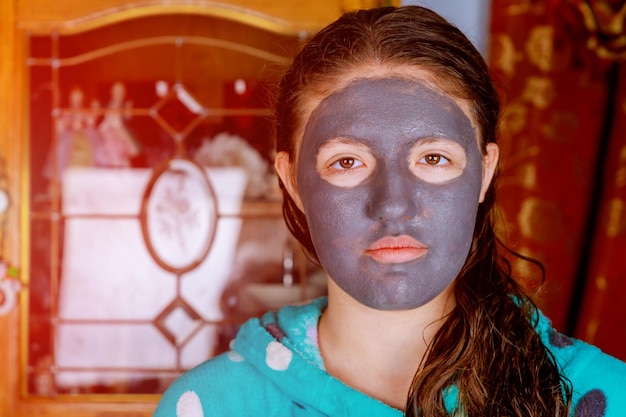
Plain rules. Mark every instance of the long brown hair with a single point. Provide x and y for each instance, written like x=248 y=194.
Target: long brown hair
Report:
x=487 y=347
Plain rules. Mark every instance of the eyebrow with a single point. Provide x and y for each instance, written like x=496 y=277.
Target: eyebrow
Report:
x=434 y=138
x=342 y=140
x=426 y=140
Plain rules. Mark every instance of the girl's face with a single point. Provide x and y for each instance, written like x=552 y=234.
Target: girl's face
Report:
x=389 y=176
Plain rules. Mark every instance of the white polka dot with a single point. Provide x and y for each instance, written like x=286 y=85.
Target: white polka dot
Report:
x=277 y=356
x=234 y=356
x=188 y=405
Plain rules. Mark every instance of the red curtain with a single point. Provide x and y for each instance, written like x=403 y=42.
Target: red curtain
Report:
x=563 y=147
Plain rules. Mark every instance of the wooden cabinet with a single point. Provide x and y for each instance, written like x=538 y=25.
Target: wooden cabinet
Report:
x=108 y=110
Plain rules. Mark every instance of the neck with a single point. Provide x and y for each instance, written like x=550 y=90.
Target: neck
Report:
x=378 y=352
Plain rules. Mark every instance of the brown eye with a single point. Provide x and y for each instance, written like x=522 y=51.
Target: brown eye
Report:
x=346 y=163
x=432 y=159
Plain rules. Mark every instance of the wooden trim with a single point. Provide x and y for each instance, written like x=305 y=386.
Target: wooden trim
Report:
x=9 y=151
x=287 y=18
x=9 y=364
x=82 y=409
x=302 y=18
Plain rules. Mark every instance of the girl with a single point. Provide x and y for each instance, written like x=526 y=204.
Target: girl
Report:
x=386 y=131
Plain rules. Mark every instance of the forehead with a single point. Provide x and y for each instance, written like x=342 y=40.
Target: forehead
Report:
x=396 y=103
x=410 y=74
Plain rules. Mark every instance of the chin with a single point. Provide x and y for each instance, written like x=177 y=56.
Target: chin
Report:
x=399 y=304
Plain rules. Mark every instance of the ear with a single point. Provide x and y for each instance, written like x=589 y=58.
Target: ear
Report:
x=490 y=162
x=284 y=170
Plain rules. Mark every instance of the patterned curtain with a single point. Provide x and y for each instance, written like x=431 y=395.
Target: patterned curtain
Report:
x=563 y=143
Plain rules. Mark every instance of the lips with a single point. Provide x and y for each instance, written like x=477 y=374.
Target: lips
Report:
x=400 y=249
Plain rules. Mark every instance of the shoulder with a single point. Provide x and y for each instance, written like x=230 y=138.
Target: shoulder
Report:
x=598 y=379
x=253 y=378
x=227 y=385
x=243 y=381
x=207 y=388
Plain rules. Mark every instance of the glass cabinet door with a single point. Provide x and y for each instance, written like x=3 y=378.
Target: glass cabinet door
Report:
x=155 y=223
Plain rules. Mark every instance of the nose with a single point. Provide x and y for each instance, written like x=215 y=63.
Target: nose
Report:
x=393 y=198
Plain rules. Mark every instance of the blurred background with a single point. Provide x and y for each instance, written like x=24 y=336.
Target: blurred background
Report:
x=140 y=220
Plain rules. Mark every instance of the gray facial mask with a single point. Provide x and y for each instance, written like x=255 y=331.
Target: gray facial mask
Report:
x=390 y=117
